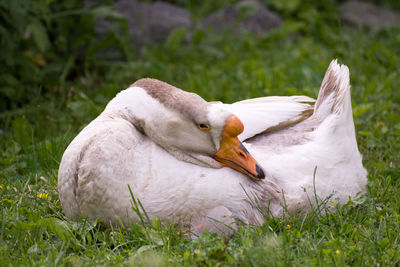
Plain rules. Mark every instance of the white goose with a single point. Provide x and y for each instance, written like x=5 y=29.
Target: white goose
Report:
x=181 y=156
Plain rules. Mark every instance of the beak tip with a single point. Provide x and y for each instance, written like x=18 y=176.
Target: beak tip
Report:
x=260 y=172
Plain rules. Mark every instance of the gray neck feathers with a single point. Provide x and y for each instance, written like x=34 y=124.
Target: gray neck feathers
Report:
x=189 y=104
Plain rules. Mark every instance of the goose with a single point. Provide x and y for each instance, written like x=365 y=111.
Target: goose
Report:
x=188 y=159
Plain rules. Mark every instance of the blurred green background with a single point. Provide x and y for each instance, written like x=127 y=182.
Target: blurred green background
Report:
x=57 y=74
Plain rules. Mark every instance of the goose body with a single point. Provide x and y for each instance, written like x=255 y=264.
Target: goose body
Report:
x=148 y=140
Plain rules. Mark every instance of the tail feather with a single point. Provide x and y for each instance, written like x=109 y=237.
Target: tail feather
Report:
x=334 y=94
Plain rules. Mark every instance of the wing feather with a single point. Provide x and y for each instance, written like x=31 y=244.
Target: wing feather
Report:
x=263 y=114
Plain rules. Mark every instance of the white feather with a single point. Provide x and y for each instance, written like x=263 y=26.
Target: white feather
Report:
x=260 y=114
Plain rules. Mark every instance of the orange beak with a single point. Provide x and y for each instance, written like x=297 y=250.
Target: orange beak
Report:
x=233 y=154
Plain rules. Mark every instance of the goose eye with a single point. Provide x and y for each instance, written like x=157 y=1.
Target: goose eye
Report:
x=203 y=126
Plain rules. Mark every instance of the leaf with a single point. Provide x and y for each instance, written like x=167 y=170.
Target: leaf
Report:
x=105 y=12
x=36 y=58
x=39 y=34
x=61 y=230
x=287 y=6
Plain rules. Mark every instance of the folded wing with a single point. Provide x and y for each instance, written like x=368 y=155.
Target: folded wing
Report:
x=265 y=114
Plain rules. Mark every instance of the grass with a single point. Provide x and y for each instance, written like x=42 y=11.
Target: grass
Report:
x=34 y=231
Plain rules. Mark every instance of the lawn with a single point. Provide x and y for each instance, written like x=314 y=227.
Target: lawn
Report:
x=289 y=60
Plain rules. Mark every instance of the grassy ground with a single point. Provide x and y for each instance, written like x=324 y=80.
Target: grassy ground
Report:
x=34 y=231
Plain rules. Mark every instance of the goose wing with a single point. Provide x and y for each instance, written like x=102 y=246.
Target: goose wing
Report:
x=265 y=114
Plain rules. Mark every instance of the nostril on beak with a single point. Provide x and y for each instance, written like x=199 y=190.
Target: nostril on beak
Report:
x=243 y=155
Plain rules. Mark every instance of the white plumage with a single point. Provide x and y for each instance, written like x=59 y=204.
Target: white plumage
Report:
x=133 y=142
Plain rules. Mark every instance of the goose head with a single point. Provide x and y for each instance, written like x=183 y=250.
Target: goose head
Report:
x=185 y=125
